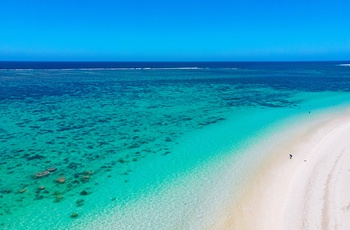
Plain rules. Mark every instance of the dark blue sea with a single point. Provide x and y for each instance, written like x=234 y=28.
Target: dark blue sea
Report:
x=135 y=145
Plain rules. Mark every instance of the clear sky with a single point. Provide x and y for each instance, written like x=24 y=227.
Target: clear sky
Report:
x=174 y=30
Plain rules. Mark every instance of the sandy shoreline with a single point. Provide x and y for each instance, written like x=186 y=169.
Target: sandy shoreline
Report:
x=310 y=191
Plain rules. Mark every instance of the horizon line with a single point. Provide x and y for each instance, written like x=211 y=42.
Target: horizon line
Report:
x=185 y=61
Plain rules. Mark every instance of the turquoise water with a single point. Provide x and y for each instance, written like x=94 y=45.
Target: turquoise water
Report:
x=141 y=143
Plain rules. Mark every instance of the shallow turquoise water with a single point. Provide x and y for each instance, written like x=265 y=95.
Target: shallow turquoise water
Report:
x=121 y=136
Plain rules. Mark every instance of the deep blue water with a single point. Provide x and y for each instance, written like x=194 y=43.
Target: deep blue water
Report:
x=100 y=123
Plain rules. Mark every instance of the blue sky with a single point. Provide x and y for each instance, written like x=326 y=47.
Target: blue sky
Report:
x=181 y=30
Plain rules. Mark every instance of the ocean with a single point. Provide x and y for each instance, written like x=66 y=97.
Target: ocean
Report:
x=144 y=145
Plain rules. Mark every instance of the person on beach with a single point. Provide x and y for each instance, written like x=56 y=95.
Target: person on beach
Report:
x=290 y=156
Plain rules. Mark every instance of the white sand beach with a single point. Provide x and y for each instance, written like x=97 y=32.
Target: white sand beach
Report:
x=309 y=191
